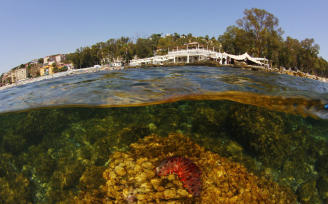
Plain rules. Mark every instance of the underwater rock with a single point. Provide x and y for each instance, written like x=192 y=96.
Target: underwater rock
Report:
x=323 y=186
x=224 y=181
x=308 y=193
x=120 y=171
x=14 y=186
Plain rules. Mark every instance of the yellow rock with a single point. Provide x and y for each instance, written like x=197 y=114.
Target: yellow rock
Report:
x=177 y=182
x=169 y=194
x=169 y=185
x=160 y=188
x=219 y=173
x=130 y=164
x=117 y=155
x=158 y=195
x=171 y=177
x=147 y=165
x=146 y=187
x=130 y=171
x=112 y=175
x=126 y=192
x=141 y=178
x=183 y=192
x=141 y=196
x=137 y=168
x=120 y=171
x=155 y=182
x=141 y=160
x=150 y=173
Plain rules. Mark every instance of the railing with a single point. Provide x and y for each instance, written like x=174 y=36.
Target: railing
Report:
x=193 y=51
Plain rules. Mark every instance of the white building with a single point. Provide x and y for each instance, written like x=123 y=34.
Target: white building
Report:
x=195 y=53
x=18 y=74
x=58 y=59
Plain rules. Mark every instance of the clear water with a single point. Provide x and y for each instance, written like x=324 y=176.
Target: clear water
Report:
x=59 y=137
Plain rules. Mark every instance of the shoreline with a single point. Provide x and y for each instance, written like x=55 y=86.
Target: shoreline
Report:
x=241 y=66
x=210 y=64
x=61 y=74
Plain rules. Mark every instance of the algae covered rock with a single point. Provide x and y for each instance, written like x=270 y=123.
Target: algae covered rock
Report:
x=130 y=176
x=307 y=193
x=322 y=184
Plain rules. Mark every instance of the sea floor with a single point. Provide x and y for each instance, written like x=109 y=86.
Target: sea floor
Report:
x=245 y=154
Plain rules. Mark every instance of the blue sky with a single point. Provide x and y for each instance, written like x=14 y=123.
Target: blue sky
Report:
x=36 y=28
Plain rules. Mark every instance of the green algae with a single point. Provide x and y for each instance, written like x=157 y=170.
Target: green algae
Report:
x=51 y=155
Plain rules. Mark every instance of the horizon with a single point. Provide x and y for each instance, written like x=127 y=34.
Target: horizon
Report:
x=38 y=29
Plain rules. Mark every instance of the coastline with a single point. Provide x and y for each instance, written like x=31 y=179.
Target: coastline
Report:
x=241 y=66
x=61 y=74
x=210 y=64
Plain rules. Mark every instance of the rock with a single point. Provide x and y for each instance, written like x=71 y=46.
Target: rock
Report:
x=171 y=177
x=155 y=182
x=146 y=187
x=169 y=193
x=150 y=173
x=141 y=178
x=308 y=193
x=183 y=192
x=141 y=184
x=323 y=186
x=137 y=168
x=141 y=196
x=120 y=171
x=147 y=165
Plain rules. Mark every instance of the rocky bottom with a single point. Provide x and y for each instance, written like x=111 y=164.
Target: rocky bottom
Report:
x=131 y=177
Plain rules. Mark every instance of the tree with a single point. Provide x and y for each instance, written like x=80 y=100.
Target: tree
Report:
x=289 y=53
x=1 y=77
x=40 y=61
x=55 y=68
x=262 y=25
x=236 y=41
x=144 y=48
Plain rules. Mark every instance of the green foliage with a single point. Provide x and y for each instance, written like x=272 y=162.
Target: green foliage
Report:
x=259 y=34
x=55 y=68
x=40 y=61
x=63 y=69
x=144 y=48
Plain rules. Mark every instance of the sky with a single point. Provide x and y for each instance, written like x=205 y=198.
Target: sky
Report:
x=31 y=29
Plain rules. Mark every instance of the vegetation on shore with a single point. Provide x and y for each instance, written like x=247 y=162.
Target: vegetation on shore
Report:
x=257 y=33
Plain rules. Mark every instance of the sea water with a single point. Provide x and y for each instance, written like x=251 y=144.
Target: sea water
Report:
x=99 y=137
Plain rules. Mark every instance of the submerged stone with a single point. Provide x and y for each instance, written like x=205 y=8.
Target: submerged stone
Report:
x=224 y=180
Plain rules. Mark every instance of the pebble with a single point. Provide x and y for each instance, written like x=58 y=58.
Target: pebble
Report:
x=169 y=193
x=120 y=171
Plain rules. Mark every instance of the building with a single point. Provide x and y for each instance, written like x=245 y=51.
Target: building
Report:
x=58 y=59
x=46 y=70
x=6 y=78
x=18 y=74
x=50 y=69
x=194 y=52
